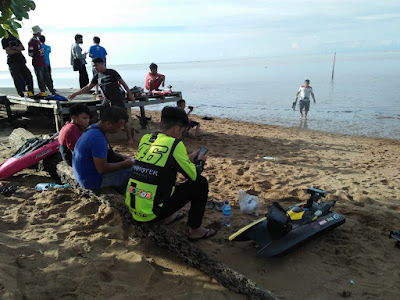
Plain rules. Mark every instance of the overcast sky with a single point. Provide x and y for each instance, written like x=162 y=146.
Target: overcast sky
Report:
x=137 y=31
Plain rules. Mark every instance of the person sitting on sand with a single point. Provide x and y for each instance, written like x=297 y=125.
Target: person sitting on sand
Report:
x=305 y=91
x=71 y=131
x=152 y=193
x=154 y=79
x=90 y=161
x=182 y=104
x=108 y=80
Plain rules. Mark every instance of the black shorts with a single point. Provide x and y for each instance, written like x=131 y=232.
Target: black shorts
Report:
x=193 y=124
x=305 y=104
x=107 y=103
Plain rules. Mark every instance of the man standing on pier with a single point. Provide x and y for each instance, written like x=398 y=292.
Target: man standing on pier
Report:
x=38 y=61
x=17 y=63
x=305 y=91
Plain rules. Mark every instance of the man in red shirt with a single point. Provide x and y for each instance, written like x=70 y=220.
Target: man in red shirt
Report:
x=154 y=79
x=71 y=132
x=38 y=61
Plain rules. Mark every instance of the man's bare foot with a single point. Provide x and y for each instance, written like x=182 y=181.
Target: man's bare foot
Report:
x=200 y=233
x=174 y=217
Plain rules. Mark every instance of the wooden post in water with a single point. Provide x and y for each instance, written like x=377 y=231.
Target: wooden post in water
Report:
x=333 y=66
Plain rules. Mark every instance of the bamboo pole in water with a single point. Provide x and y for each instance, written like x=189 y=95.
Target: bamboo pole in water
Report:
x=333 y=66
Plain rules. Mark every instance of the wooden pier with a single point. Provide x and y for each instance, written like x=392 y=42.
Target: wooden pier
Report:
x=9 y=97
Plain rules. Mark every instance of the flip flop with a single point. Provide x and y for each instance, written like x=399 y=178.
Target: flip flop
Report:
x=179 y=216
x=218 y=205
x=210 y=204
x=206 y=235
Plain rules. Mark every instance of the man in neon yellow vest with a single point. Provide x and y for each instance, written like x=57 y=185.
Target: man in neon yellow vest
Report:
x=151 y=192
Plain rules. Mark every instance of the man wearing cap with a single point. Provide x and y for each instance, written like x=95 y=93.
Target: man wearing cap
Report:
x=76 y=53
x=38 y=61
x=17 y=63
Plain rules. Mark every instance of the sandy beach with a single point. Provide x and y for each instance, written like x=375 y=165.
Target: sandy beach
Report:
x=57 y=244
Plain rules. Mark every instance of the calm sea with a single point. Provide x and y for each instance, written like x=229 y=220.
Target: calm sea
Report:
x=363 y=98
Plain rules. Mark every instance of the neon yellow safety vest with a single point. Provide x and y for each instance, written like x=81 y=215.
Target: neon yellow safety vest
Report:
x=152 y=182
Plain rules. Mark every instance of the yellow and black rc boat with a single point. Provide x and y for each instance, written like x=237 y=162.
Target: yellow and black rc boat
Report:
x=283 y=229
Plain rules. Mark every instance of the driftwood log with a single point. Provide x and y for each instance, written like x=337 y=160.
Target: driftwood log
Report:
x=161 y=235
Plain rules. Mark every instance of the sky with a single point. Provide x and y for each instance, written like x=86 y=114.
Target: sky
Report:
x=138 y=31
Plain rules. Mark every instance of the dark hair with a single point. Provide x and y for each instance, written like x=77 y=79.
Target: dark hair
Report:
x=96 y=39
x=114 y=114
x=179 y=102
x=153 y=66
x=77 y=109
x=173 y=116
x=98 y=60
x=42 y=38
x=78 y=36
x=307 y=80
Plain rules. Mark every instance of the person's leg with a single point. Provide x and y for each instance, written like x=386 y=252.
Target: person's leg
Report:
x=15 y=74
x=47 y=80
x=196 y=134
x=306 y=108
x=83 y=77
x=301 y=106
x=128 y=133
x=39 y=77
x=197 y=193
x=116 y=179
x=27 y=75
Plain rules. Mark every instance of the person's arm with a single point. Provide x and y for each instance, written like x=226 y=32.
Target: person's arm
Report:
x=162 y=77
x=102 y=166
x=105 y=60
x=126 y=88
x=185 y=162
x=85 y=89
x=16 y=50
x=297 y=94
x=312 y=94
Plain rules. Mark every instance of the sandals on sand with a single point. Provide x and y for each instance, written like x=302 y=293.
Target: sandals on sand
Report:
x=214 y=204
x=209 y=233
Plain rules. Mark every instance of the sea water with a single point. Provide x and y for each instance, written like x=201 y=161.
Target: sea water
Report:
x=363 y=98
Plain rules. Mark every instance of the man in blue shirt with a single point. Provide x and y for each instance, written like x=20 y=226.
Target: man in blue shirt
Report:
x=91 y=167
x=97 y=51
x=47 y=51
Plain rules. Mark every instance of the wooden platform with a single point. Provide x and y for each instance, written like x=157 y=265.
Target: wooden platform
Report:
x=9 y=97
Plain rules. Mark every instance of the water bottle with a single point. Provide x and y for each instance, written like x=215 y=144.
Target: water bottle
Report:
x=226 y=214
x=46 y=186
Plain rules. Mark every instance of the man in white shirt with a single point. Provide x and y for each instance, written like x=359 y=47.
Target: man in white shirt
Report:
x=305 y=91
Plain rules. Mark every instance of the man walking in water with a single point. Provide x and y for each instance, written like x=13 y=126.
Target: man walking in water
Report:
x=305 y=91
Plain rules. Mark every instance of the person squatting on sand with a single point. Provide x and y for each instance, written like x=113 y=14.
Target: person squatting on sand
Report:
x=91 y=161
x=152 y=193
x=17 y=64
x=182 y=104
x=71 y=131
x=38 y=61
x=109 y=80
x=154 y=79
x=305 y=91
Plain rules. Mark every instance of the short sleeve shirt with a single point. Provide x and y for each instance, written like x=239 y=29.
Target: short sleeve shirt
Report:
x=37 y=53
x=97 y=51
x=150 y=76
x=69 y=135
x=305 y=92
x=12 y=42
x=92 y=144
x=47 y=51
x=108 y=82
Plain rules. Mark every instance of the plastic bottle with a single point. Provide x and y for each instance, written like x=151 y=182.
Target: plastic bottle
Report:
x=46 y=186
x=226 y=214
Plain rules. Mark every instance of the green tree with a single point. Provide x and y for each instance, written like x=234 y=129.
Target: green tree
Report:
x=12 y=13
